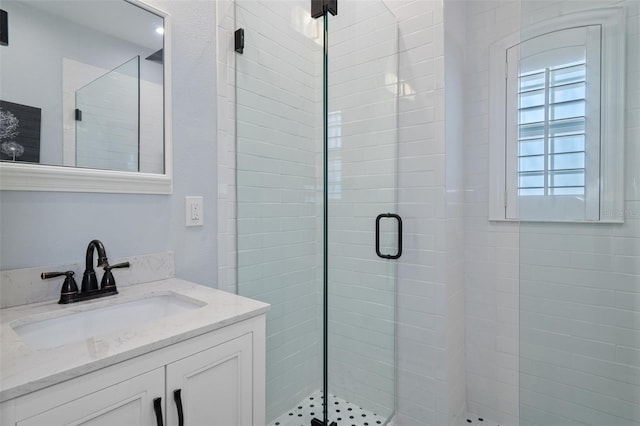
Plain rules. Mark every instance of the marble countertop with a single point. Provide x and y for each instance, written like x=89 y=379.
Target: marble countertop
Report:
x=24 y=369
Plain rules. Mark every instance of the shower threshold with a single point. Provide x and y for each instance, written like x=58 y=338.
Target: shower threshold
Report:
x=341 y=413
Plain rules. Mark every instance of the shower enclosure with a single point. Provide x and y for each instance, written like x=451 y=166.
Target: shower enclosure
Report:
x=317 y=236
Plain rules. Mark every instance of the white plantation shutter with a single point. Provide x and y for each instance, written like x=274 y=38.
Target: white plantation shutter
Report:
x=553 y=125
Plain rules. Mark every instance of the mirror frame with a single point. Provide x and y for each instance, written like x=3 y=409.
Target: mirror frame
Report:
x=42 y=177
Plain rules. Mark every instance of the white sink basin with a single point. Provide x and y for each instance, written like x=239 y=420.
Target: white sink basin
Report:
x=80 y=325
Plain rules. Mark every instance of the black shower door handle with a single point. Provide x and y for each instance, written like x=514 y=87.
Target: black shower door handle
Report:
x=399 y=219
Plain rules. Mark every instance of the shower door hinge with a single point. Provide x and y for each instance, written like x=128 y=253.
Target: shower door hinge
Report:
x=239 y=40
x=317 y=422
x=78 y=114
x=321 y=7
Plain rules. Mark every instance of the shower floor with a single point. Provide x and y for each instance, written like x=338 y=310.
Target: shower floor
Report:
x=473 y=419
x=340 y=411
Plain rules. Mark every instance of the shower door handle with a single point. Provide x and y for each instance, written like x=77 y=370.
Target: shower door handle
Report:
x=399 y=219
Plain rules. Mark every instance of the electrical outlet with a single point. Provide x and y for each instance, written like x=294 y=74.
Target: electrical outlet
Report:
x=194 y=214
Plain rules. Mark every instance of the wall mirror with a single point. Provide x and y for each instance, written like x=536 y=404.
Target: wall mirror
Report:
x=84 y=97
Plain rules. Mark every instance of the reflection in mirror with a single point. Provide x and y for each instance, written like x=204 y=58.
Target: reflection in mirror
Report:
x=79 y=91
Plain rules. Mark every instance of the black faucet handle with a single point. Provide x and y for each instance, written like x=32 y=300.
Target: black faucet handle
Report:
x=47 y=275
x=69 y=286
x=117 y=265
x=108 y=281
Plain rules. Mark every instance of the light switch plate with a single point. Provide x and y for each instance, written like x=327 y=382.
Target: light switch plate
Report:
x=193 y=211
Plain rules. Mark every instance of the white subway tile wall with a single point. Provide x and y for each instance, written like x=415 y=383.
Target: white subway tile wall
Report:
x=362 y=155
x=431 y=381
x=277 y=82
x=491 y=248
x=574 y=356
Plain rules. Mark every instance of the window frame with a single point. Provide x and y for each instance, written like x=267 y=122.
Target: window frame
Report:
x=609 y=204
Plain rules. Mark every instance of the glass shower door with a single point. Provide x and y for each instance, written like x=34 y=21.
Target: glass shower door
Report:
x=363 y=235
x=108 y=120
x=284 y=173
x=278 y=190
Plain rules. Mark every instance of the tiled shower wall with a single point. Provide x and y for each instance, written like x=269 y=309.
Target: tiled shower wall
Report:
x=278 y=104
x=362 y=180
x=424 y=351
x=574 y=356
x=431 y=388
x=491 y=248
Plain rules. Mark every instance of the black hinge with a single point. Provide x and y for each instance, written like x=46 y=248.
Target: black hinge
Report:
x=4 y=28
x=78 y=114
x=321 y=7
x=239 y=40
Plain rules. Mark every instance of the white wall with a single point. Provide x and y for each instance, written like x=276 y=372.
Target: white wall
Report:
x=40 y=228
x=491 y=248
x=574 y=356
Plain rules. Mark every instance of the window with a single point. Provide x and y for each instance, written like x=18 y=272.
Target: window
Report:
x=556 y=129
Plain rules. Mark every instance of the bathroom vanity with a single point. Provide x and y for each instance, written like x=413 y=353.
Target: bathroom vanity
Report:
x=190 y=351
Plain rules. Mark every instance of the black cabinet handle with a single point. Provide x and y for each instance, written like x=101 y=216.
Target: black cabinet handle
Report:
x=178 y=398
x=399 y=219
x=157 y=407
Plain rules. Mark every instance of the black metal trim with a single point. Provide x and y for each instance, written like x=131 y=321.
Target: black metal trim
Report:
x=178 y=399
x=4 y=28
x=239 y=40
x=157 y=407
x=321 y=7
x=318 y=422
x=378 y=252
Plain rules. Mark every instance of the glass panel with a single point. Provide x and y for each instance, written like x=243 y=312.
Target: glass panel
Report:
x=567 y=75
x=531 y=131
x=531 y=180
x=569 y=92
x=531 y=115
x=566 y=161
x=278 y=172
x=280 y=188
x=362 y=81
x=531 y=164
x=567 y=144
x=531 y=99
x=567 y=110
x=567 y=127
x=532 y=82
x=568 y=178
x=107 y=130
x=532 y=147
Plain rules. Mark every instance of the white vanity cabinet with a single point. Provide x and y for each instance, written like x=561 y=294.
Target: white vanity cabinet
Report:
x=220 y=376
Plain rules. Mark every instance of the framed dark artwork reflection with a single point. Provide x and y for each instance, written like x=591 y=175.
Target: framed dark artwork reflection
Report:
x=19 y=132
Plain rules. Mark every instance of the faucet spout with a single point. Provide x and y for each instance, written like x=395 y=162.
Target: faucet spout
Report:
x=89 y=280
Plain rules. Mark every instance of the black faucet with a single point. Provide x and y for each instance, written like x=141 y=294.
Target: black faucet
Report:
x=89 y=290
x=89 y=280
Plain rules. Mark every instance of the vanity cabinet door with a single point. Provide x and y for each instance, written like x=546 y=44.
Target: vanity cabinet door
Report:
x=215 y=385
x=128 y=403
